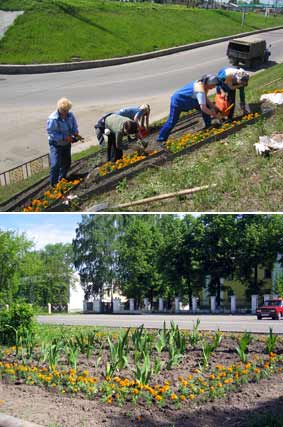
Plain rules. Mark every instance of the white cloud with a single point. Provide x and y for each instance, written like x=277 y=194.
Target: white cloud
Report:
x=47 y=233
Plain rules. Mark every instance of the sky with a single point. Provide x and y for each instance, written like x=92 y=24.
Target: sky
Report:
x=44 y=228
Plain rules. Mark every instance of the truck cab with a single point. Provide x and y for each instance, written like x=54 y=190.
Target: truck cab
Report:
x=271 y=308
x=249 y=51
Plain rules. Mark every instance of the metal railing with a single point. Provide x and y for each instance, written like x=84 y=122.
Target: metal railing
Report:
x=24 y=171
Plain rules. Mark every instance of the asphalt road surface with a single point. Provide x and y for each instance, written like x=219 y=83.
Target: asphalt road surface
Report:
x=226 y=323
x=27 y=100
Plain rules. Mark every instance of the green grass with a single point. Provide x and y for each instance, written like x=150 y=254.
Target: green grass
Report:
x=59 y=30
x=245 y=181
x=8 y=191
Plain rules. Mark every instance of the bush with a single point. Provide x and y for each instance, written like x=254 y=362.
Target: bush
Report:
x=16 y=322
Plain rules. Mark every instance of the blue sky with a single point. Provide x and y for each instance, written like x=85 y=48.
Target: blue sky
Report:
x=42 y=228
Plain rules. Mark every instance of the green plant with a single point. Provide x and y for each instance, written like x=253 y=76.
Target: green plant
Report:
x=194 y=336
x=174 y=354
x=270 y=342
x=118 y=353
x=143 y=372
x=72 y=354
x=242 y=348
x=209 y=347
x=51 y=354
x=279 y=286
x=19 y=318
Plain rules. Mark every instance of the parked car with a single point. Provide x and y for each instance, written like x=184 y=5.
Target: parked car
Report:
x=271 y=308
x=249 y=51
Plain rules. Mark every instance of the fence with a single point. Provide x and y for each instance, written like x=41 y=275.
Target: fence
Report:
x=25 y=170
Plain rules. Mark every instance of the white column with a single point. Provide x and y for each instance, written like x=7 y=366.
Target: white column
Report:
x=146 y=304
x=205 y=291
x=49 y=308
x=254 y=303
x=68 y=308
x=266 y=297
x=97 y=306
x=213 y=303
x=195 y=304
x=132 y=304
x=116 y=305
x=222 y=281
x=160 y=304
x=233 y=304
x=7 y=307
x=177 y=305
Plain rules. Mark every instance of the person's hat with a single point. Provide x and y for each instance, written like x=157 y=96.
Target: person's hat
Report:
x=242 y=77
x=131 y=127
x=210 y=79
x=145 y=107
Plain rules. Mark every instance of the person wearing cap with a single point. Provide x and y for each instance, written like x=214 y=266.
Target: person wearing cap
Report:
x=192 y=96
x=138 y=114
x=117 y=127
x=230 y=79
x=62 y=129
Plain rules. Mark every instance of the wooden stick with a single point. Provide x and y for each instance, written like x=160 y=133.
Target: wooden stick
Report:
x=165 y=196
x=273 y=81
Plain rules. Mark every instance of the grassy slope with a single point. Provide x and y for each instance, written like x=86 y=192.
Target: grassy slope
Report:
x=58 y=30
x=245 y=181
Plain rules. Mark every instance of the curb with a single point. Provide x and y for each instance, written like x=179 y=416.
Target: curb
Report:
x=9 y=421
x=83 y=65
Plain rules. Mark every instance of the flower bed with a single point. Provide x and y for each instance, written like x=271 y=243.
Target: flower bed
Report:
x=51 y=196
x=123 y=163
x=141 y=367
x=190 y=139
x=198 y=385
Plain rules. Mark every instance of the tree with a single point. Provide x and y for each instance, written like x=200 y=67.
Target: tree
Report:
x=216 y=237
x=138 y=253
x=13 y=249
x=260 y=240
x=94 y=252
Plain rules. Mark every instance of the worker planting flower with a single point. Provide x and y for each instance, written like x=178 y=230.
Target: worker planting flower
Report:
x=192 y=96
x=230 y=79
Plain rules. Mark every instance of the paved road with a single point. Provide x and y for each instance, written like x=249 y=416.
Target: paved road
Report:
x=27 y=100
x=207 y=322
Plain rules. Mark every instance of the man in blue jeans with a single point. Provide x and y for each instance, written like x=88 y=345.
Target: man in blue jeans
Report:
x=192 y=96
x=62 y=130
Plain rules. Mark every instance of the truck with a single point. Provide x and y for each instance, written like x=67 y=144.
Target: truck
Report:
x=271 y=308
x=249 y=51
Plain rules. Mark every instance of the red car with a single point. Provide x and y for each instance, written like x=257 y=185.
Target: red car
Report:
x=271 y=308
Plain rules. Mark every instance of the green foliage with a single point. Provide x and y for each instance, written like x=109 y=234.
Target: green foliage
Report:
x=51 y=353
x=209 y=347
x=16 y=322
x=279 y=287
x=143 y=371
x=242 y=348
x=118 y=356
x=195 y=336
x=270 y=342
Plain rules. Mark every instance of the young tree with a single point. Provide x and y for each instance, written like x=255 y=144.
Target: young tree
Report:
x=95 y=252
x=13 y=249
x=138 y=253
